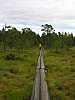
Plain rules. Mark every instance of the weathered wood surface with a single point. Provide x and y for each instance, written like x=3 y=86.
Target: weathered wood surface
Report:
x=40 y=91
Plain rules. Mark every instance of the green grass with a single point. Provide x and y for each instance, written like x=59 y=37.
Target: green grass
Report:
x=17 y=76
x=61 y=74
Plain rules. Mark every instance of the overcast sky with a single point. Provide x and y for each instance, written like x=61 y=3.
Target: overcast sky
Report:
x=34 y=13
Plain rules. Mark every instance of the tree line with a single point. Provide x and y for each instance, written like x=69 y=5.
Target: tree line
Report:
x=51 y=39
x=19 y=40
x=26 y=38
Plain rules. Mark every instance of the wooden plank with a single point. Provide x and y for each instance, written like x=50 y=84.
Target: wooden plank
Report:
x=40 y=91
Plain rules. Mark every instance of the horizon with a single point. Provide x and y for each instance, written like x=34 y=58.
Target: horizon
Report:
x=33 y=28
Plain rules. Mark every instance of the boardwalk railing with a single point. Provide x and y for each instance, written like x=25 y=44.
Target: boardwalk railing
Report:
x=40 y=91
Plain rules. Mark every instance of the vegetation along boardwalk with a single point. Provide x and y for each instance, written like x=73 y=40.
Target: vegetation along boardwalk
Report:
x=40 y=91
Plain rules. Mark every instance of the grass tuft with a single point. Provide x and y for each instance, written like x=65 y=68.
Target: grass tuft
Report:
x=61 y=74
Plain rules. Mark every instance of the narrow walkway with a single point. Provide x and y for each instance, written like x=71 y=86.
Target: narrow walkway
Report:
x=40 y=91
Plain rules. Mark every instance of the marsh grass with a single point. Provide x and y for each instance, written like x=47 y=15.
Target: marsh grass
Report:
x=61 y=74
x=17 y=76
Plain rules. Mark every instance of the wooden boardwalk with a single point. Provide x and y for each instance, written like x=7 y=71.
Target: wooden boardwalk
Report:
x=40 y=91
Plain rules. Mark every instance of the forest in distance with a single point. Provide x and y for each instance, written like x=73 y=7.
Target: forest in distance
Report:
x=26 y=38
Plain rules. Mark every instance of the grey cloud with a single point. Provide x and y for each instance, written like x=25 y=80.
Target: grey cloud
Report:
x=56 y=12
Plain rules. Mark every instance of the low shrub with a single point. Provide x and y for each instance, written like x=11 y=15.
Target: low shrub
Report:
x=10 y=56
